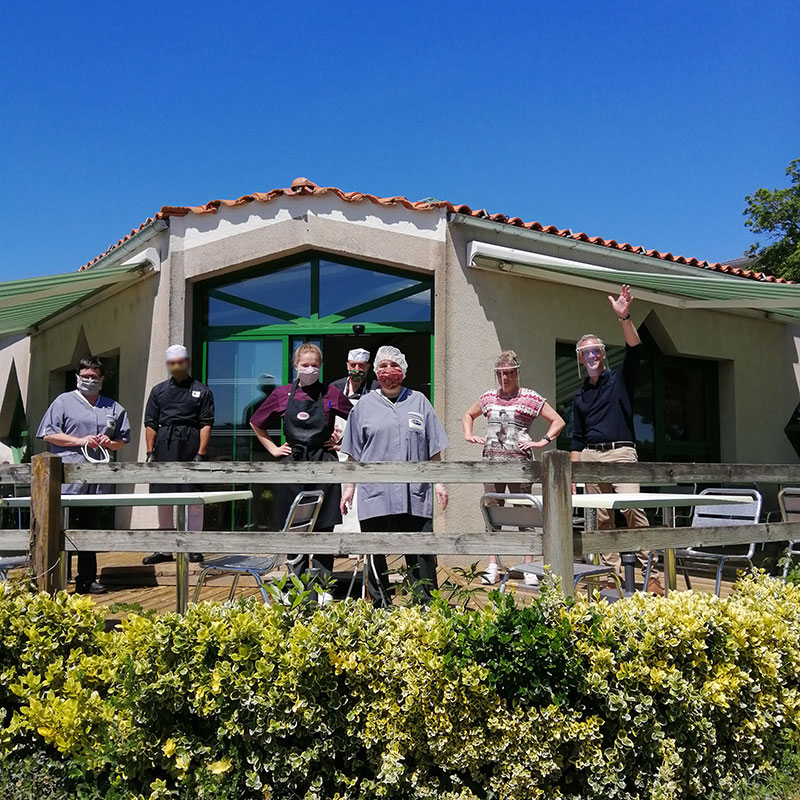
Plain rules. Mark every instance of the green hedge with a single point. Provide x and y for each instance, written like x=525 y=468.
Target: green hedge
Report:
x=646 y=698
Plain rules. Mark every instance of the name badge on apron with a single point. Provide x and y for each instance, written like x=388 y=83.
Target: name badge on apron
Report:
x=196 y=393
x=303 y=415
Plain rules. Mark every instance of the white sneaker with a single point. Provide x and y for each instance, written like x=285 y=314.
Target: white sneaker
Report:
x=531 y=579
x=323 y=598
x=490 y=575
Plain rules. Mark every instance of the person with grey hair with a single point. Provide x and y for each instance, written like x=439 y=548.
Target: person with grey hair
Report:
x=395 y=423
x=177 y=427
x=602 y=418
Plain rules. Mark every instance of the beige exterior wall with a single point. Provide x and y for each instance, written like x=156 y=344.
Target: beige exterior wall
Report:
x=488 y=312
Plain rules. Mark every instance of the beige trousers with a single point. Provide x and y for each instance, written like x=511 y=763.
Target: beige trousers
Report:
x=635 y=517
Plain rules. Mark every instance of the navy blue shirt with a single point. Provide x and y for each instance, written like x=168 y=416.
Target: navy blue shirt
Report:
x=603 y=412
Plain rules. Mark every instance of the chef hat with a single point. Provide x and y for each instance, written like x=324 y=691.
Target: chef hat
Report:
x=359 y=354
x=388 y=353
x=176 y=352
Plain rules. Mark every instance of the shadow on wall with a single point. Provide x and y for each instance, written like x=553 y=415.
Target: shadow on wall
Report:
x=299 y=207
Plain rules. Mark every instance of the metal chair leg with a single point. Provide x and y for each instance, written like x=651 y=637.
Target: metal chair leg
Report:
x=718 y=585
x=648 y=570
x=234 y=585
x=199 y=585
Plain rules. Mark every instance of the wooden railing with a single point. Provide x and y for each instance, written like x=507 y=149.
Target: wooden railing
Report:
x=555 y=543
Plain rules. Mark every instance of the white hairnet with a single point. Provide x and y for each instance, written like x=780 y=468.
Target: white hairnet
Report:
x=359 y=354
x=175 y=352
x=388 y=353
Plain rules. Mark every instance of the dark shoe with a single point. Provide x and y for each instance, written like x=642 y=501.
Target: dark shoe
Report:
x=654 y=587
x=195 y=557
x=91 y=588
x=156 y=558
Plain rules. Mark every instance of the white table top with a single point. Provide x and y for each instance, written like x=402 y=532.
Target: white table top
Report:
x=142 y=499
x=653 y=500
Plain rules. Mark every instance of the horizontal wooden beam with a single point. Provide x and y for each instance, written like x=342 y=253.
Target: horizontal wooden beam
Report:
x=481 y=543
x=633 y=539
x=666 y=473
x=468 y=472
x=227 y=472
x=15 y=473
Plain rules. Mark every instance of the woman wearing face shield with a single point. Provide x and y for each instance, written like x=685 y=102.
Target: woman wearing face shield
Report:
x=308 y=409
x=510 y=411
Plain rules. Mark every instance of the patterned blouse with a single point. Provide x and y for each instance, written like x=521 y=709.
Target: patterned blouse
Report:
x=509 y=420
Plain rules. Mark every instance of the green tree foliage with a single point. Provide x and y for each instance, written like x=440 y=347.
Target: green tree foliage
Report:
x=776 y=214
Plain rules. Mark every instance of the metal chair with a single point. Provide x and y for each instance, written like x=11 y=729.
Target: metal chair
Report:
x=789 y=504
x=302 y=518
x=715 y=516
x=9 y=562
x=524 y=511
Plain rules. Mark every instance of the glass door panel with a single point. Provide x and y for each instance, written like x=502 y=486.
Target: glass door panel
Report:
x=242 y=375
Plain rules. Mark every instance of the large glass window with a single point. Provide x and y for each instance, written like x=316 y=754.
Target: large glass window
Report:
x=675 y=403
x=321 y=291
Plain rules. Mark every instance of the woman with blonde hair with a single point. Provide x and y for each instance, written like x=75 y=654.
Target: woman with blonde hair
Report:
x=308 y=409
x=510 y=410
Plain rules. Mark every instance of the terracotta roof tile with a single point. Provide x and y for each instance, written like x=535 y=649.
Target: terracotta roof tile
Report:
x=308 y=187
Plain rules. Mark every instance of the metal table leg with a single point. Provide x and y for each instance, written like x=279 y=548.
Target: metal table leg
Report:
x=670 y=581
x=181 y=567
x=629 y=562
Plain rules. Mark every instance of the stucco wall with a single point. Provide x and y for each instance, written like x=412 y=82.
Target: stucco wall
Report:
x=488 y=312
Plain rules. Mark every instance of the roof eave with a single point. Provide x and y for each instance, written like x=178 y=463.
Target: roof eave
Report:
x=570 y=244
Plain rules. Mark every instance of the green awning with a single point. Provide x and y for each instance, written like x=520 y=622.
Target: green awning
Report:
x=27 y=303
x=712 y=292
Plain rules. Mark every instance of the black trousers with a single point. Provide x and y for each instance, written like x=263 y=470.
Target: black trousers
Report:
x=86 y=519
x=422 y=568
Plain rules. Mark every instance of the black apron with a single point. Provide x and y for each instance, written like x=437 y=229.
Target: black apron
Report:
x=307 y=427
x=176 y=442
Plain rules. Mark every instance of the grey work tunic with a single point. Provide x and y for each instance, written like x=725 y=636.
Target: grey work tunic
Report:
x=407 y=430
x=73 y=414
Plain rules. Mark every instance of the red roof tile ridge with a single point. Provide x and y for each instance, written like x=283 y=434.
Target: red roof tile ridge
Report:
x=304 y=186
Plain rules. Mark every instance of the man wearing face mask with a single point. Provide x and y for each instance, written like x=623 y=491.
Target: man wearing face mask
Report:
x=357 y=383
x=178 y=419
x=76 y=426
x=602 y=417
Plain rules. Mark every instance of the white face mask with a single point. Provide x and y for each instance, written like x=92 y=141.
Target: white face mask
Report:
x=307 y=375
x=89 y=385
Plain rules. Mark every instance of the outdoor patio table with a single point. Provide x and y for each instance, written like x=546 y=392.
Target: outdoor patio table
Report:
x=669 y=502
x=179 y=499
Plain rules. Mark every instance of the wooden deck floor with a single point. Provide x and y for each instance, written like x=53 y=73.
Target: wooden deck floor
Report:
x=153 y=588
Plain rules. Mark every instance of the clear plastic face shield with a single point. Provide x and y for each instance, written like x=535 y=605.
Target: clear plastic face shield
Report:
x=506 y=377
x=591 y=353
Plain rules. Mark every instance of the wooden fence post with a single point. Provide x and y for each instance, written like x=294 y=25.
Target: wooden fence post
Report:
x=557 y=516
x=47 y=533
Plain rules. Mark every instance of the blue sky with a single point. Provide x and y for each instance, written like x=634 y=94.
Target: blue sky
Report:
x=644 y=122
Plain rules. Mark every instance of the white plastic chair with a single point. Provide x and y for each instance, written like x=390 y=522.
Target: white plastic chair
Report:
x=716 y=516
x=524 y=511
x=789 y=504
x=302 y=518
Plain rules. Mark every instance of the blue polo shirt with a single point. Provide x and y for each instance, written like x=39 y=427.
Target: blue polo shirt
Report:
x=602 y=412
